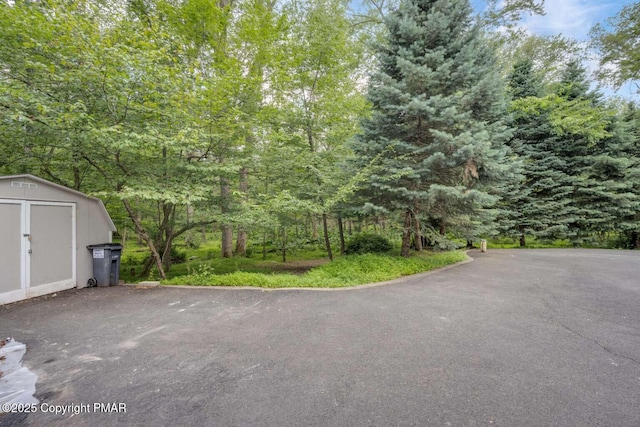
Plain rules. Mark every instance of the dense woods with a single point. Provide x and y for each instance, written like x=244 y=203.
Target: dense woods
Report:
x=281 y=122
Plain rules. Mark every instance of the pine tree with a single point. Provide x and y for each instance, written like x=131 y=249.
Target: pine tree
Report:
x=437 y=124
x=594 y=162
x=629 y=224
x=577 y=164
x=618 y=166
x=542 y=207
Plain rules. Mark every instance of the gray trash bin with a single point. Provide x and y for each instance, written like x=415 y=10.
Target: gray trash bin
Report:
x=106 y=264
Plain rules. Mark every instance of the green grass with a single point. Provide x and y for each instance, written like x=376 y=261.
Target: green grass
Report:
x=532 y=243
x=343 y=272
x=207 y=256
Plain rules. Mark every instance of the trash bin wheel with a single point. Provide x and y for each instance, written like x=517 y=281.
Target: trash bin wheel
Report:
x=92 y=282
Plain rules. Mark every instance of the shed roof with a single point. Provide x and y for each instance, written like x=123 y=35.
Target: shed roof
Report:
x=67 y=189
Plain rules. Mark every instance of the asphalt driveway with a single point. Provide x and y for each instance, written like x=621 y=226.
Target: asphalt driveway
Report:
x=515 y=338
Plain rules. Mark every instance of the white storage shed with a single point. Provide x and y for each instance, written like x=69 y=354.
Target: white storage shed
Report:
x=44 y=232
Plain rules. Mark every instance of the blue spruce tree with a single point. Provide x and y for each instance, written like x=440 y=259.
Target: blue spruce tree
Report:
x=437 y=127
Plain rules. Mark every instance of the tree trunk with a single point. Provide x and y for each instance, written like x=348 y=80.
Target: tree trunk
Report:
x=77 y=181
x=227 y=240
x=635 y=240
x=226 y=229
x=166 y=256
x=264 y=245
x=145 y=236
x=190 y=212
x=417 y=238
x=350 y=227
x=442 y=228
x=139 y=240
x=341 y=231
x=241 y=242
x=146 y=267
x=406 y=234
x=284 y=244
x=314 y=228
x=326 y=236
x=165 y=234
x=522 y=237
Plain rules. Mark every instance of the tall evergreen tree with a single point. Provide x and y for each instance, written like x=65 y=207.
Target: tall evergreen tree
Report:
x=437 y=123
x=593 y=161
x=614 y=172
x=627 y=133
x=575 y=165
x=542 y=206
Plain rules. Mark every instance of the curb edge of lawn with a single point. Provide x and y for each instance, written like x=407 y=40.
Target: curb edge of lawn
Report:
x=345 y=288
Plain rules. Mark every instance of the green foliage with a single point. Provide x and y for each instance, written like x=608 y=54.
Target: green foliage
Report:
x=507 y=13
x=548 y=53
x=628 y=240
x=576 y=157
x=178 y=256
x=191 y=239
x=514 y=43
x=346 y=271
x=532 y=243
x=367 y=243
x=567 y=117
x=439 y=242
x=619 y=45
x=438 y=117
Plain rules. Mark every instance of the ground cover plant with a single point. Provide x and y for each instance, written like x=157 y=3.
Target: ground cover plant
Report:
x=350 y=270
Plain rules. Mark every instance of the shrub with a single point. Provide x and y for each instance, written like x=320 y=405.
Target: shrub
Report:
x=368 y=243
x=133 y=259
x=621 y=241
x=178 y=257
x=191 y=239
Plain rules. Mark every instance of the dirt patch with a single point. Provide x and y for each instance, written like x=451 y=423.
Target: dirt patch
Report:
x=295 y=267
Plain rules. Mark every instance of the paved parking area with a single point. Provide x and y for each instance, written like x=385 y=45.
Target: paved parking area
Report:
x=517 y=337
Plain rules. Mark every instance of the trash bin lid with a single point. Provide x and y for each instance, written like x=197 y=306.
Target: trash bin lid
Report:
x=112 y=246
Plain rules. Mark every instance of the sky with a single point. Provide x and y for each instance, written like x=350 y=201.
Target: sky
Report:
x=574 y=19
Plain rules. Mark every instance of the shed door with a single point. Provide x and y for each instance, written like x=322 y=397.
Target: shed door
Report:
x=51 y=245
x=11 y=251
x=37 y=249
